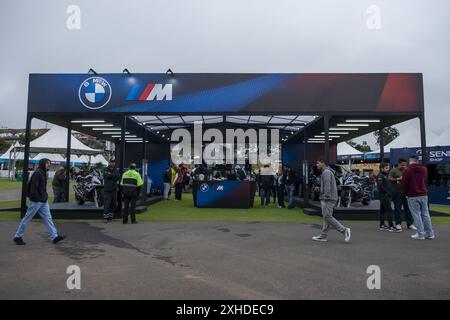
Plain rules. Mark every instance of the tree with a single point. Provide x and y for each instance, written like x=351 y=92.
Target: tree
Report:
x=364 y=147
x=32 y=137
x=4 y=145
x=389 y=134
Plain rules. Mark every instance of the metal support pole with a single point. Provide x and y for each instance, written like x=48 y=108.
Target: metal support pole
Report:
x=305 y=168
x=326 y=121
x=122 y=144
x=69 y=146
x=144 y=166
x=381 y=144
x=122 y=159
x=423 y=141
x=26 y=160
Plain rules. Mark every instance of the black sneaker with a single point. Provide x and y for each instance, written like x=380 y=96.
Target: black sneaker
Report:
x=383 y=228
x=395 y=230
x=58 y=239
x=19 y=241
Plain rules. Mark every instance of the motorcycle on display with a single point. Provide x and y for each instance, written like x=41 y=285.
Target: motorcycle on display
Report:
x=355 y=189
x=88 y=188
x=351 y=187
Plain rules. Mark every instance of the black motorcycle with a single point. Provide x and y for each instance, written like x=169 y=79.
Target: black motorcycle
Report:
x=355 y=189
x=351 y=187
x=89 y=188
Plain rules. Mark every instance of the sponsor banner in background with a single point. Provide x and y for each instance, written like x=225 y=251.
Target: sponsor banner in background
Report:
x=436 y=155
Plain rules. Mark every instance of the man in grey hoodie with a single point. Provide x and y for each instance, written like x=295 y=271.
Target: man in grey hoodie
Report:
x=328 y=198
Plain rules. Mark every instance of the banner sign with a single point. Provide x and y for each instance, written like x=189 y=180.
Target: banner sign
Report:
x=225 y=194
x=225 y=93
x=436 y=155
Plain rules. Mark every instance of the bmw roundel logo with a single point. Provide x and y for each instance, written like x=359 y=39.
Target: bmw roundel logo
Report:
x=204 y=187
x=94 y=93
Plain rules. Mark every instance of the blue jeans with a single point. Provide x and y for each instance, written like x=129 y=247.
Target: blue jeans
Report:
x=44 y=211
x=419 y=210
x=290 y=192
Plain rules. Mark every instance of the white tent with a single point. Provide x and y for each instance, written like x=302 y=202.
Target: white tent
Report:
x=443 y=139
x=344 y=149
x=18 y=154
x=53 y=157
x=99 y=158
x=55 y=141
x=53 y=145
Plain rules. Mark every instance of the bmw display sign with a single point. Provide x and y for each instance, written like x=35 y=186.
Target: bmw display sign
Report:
x=204 y=187
x=95 y=93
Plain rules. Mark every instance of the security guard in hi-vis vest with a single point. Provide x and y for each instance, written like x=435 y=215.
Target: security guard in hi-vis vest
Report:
x=131 y=183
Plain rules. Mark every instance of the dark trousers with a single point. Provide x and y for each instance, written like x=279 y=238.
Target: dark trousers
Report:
x=265 y=195
x=130 y=207
x=280 y=192
x=59 y=194
x=400 y=201
x=274 y=193
x=178 y=190
x=109 y=204
x=385 y=211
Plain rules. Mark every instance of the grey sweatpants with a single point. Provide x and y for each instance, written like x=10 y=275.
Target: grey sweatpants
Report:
x=328 y=220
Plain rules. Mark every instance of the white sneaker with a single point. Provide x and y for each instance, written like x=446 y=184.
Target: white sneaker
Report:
x=417 y=237
x=319 y=238
x=430 y=237
x=399 y=227
x=412 y=227
x=347 y=234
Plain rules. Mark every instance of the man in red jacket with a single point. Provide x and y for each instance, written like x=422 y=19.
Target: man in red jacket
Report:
x=413 y=183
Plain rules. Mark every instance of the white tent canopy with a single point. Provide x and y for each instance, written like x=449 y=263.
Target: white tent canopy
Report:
x=53 y=157
x=10 y=151
x=443 y=139
x=54 y=144
x=55 y=141
x=344 y=149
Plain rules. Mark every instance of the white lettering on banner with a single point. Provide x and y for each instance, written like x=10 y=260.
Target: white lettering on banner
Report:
x=219 y=188
x=161 y=92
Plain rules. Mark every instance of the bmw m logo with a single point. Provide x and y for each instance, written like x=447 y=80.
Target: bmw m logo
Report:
x=94 y=93
x=204 y=187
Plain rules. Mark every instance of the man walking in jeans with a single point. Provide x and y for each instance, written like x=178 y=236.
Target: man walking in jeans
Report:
x=37 y=192
x=413 y=183
x=328 y=198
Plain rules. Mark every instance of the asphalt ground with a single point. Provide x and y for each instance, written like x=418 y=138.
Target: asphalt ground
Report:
x=221 y=260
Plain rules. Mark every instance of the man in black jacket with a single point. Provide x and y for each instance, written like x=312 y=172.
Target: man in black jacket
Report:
x=290 y=181
x=58 y=185
x=111 y=180
x=385 y=198
x=37 y=192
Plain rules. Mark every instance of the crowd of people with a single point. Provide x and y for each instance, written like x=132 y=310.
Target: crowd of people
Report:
x=129 y=184
x=404 y=186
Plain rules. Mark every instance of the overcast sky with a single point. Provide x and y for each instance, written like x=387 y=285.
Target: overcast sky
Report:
x=225 y=36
